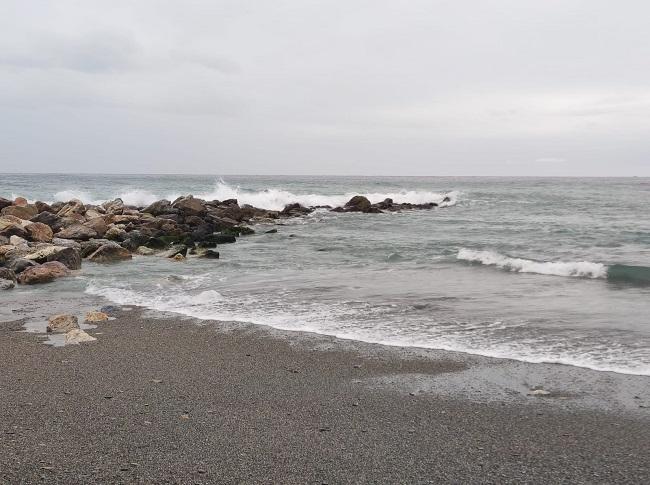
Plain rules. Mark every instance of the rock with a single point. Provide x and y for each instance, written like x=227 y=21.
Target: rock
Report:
x=109 y=253
x=114 y=206
x=210 y=254
x=178 y=257
x=221 y=238
x=271 y=231
x=358 y=203
x=39 y=232
x=295 y=210
x=115 y=233
x=18 y=242
x=145 y=251
x=20 y=201
x=7 y=274
x=9 y=220
x=4 y=203
x=73 y=209
x=42 y=206
x=10 y=229
x=156 y=243
x=89 y=247
x=6 y=284
x=174 y=250
x=67 y=243
x=19 y=265
x=43 y=273
x=98 y=225
x=62 y=323
x=538 y=392
x=96 y=316
x=23 y=212
x=158 y=208
x=77 y=232
x=77 y=336
x=48 y=219
x=110 y=310
x=190 y=206
x=69 y=257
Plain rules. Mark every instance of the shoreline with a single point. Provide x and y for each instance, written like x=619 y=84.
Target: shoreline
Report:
x=246 y=403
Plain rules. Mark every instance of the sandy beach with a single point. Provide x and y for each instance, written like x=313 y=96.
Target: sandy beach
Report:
x=164 y=400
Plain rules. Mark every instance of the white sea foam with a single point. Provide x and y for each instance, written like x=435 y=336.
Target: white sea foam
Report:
x=583 y=269
x=271 y=198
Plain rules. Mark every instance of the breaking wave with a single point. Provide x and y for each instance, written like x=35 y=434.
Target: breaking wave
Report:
x=634 y=275
x=581 y=269
x=271 y=198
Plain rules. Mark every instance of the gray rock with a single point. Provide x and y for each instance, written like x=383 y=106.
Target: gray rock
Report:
x=109 y=253
x=77 y=232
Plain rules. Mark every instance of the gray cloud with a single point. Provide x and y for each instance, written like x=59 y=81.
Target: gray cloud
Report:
x=423 y=87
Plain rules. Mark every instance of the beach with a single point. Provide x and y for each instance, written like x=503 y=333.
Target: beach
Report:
x=162 y=399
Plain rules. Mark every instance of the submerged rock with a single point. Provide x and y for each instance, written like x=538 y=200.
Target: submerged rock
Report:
x=145 y=251
x=62 y=323
x=358 y=203
x=210 y=254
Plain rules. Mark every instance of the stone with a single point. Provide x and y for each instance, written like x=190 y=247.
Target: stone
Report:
x=145 y=251
x=178 y=257
x=4 y=203
x=109 y=253
x=110 y=310
x=190 y=206
x=115 y=233
x=7 y=275
x=39 y=232
x=20 y=201
x=210 y=254
x=98 y=225
x=73 y=208
x=49 y=219
x=70 y=257
x=114 y=206
x=95 y=316
x=77 y=336
x=19 y=265
x=538 y=392
x=10 y=229
x=6 y=284
x=220 y=238
x=157 y=208
x=156 y=243
x=78 y=232
x=358 y=203
x=68 y=243
x=271 y=231
x=62 y=323
x=174 y=250
x=23 y=212
x=18 y=242
x=43 y=273
x=42 y=206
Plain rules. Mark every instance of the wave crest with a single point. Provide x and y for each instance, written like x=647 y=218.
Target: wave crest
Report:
x=580 y=269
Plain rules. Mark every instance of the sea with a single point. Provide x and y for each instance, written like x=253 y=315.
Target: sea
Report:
x=553 y=270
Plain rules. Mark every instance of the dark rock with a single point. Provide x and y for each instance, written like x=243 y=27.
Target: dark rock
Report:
x=4 y=203
x=221 y=238
x=358 y=203
x=74 y=209
x=206 y=244
x=110 y=310
x=69 y=257
x=14 y=230
x=42 y=206
x=19 y=265
x=190 y=206
x=43 y=273
x=228 y=202
x=271 y=231
x=155 y=243
x=210 y=254
x=49 y=219
x=89 y=247
x=293 y=210
x=68 y=243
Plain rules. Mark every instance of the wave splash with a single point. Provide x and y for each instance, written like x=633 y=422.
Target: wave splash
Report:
x=270 y=199
x=580 y=269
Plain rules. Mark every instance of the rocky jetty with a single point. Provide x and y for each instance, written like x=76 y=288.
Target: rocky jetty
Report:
x=41 y=242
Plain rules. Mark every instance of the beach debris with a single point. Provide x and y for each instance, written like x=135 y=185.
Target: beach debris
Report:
x=110 y=310
x=156 y=381
x=96 y=316
x=78 y=336
x=62 y=323
x=538 y=392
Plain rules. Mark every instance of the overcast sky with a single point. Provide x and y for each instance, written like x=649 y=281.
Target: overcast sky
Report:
x=484 y=87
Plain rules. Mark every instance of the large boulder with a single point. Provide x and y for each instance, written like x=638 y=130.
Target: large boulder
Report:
x=9 y=229
x=23 y=212
x=159 y=207
x=358 y=203
x=68 y=243
x=19 y=242
x=78 y=232
x=114 y=206
x=43 y=273
x=42 y=206
x=109 y=253
x=115 y=233
x=4 y=203
x=39 y=232
x=175 y=250
x=89 y=247
x=70 y=257
x=49 y=219
x=62 y=323
x=190 y=206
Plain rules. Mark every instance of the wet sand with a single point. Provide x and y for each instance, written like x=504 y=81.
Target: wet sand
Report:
x=162 y=400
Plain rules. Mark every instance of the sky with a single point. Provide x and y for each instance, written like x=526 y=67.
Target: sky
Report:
x=363 y=87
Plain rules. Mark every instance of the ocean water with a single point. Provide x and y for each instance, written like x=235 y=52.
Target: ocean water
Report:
x=533 y=269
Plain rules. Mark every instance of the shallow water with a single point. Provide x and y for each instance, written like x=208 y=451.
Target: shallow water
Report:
x=535 y=269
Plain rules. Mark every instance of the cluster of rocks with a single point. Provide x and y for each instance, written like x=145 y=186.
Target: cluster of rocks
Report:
x=69 y=325
x=40 y=242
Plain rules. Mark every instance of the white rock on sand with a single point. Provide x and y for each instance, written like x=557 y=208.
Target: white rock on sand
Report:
x=77 y=336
